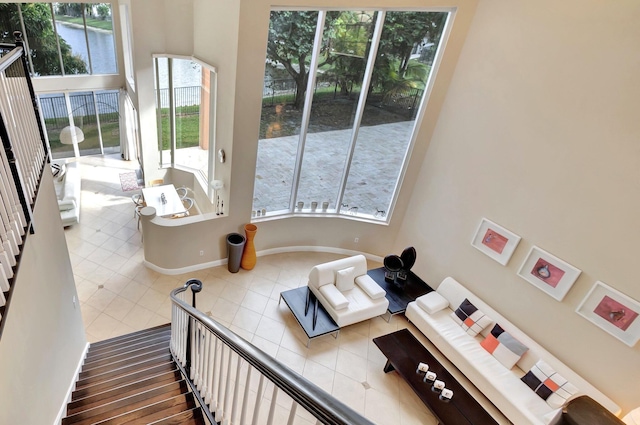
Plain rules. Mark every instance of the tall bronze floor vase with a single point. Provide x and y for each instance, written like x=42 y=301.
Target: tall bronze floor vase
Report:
x=248 y=261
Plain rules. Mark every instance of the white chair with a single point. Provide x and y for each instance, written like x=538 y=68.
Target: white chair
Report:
x=188 y=204
x=182 y=192
x=346 y=291
x=138 y=201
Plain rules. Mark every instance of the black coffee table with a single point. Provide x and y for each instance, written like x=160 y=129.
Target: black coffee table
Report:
x=403 y=352
x=310 y=314
x=399 y=293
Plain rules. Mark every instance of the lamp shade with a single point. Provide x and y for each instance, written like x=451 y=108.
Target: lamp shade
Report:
x=70 y=135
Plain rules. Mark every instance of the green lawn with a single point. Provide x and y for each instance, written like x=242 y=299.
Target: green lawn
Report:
x=110 y=137
x=187 y=131
x=91 y=22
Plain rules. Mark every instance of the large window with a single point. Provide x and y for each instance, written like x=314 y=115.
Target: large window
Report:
x=342 y=94
x=185 y=110
x=95 y=114
x=63 y=38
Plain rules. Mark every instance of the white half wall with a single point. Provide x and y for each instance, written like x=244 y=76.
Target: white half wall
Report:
x=43 y=338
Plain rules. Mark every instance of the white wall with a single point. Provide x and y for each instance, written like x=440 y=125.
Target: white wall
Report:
x=539 y=132
x=43 y=338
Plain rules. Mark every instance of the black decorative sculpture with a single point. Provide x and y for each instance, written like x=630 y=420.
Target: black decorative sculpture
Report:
x=392 y=264
x=408 y=258
x=397 y=267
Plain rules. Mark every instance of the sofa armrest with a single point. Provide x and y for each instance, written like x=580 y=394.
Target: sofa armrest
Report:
x=337 y=300
x=66 y=205
x=370 y=287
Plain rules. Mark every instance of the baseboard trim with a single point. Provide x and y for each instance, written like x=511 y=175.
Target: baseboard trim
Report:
x=72 y=386
x=271 y=251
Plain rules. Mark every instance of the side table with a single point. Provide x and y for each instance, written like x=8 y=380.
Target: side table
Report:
x=399 y=294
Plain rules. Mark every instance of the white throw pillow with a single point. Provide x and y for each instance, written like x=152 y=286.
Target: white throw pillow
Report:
x=432 y=302
x=344 y=279
x=335 y=298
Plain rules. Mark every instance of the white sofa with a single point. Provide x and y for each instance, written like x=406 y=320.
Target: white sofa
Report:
x=68 y=192
x=346 y=291
x=502 y=386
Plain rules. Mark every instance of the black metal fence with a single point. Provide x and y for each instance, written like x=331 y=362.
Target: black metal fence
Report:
x=186 y=99
x=54 y=108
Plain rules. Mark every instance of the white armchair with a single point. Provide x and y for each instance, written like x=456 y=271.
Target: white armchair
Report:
x=346 y=291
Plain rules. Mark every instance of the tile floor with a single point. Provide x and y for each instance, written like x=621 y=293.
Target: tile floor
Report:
x=119 y=295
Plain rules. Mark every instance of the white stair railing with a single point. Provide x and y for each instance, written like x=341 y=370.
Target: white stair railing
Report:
x=238 y=383
x=23 y=155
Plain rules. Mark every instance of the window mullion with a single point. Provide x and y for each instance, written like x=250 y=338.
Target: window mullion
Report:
x=306 y=114
x=55 y=30
x=25 y=38
x=366 y=81
x=172 y=113
x=96 y=110
x=86 y=39
x=72 y=124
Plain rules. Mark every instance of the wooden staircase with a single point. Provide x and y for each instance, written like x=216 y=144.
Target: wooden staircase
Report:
x=132 y=379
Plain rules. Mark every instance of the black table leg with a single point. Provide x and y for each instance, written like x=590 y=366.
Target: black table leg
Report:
x=388 y=367
x=315 y=313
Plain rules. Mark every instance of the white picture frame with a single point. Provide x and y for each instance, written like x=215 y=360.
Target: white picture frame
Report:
x=548 y=273
x=495 y=241
x=602 y=306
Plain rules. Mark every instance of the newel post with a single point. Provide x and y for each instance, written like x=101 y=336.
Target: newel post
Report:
x=196 y=286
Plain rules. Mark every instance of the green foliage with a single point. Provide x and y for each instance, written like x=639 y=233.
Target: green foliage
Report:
x=345 y=47
x=104 y=11
x=290 y=43
x=42 y=38
x=401 y=33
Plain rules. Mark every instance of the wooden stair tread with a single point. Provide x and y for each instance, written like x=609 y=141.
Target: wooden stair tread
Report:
x=127 y=404
x=127 y=370
x=155 y=329
x=127 y=347
x=154 y=412
x=99 y=387
x=139 y=358
x=123 y=356
x=188 y=417
x=96 y=352
x=122 y=391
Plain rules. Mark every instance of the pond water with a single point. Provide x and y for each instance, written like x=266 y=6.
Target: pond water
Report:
x=101 y=44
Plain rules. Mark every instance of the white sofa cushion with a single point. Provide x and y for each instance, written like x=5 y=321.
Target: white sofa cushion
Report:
x=370 y=287
x=344 y=279
x=335 y=298
x=432 y=302
x=472 y=320
x=549 y=384
x=504 y=347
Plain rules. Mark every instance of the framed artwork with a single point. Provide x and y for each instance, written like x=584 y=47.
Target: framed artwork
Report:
x=548 y=273
x=495 y=241
x=612 y=311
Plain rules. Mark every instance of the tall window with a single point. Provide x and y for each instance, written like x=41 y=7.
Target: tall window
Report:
x=95 y=114
x=342 y=93
x=185 y=107
x=63 y=38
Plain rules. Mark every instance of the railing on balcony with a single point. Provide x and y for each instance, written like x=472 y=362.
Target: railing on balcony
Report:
x=23 y=156
x=240 y=384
